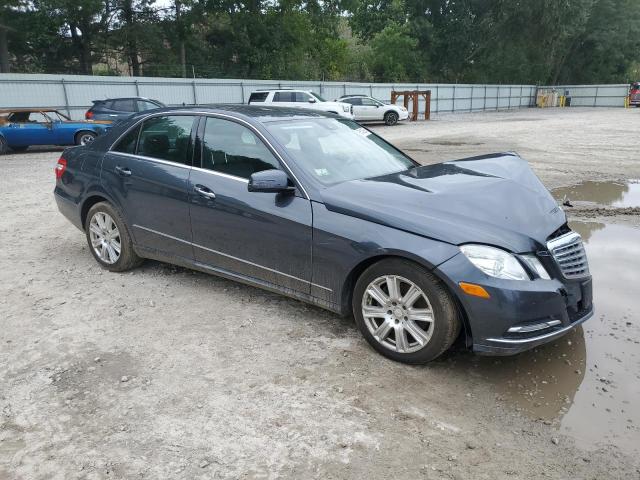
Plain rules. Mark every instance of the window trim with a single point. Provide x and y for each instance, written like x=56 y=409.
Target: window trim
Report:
x=139 y=123
x=260 y=136
x=202 y=115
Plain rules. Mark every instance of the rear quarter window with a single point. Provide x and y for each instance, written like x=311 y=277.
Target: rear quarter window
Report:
x=258 y=97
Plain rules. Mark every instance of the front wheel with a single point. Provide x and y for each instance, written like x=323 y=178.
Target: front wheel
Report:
x=404 y=312
x=109 y=239
x=390 y=118
x=3 y=146
x=85 y=138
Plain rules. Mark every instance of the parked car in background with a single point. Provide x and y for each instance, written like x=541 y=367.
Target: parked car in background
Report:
x=634 y=94
x=114 y=109
x=22 y=127
x=323 y=210
x=300 y=99
x=369 y=109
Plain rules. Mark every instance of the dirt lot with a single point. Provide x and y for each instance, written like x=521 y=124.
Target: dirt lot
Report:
x=168 y=373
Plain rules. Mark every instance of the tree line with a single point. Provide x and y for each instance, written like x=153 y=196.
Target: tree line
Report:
x=464 y=41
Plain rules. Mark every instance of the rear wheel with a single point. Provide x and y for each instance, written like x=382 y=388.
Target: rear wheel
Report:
x=391 y=118
x=404 y=312
x=85 y=138
x=3 y=146
x=109 y=239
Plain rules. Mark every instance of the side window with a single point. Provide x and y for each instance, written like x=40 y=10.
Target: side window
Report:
x=124 y=105
x=258 y=96
x=38 y=117
x=167 y=138
x=129 y=142
x=231 y=148
x=353 y=101
x=368 y=102
x=302 y=97
x=144 y=105
x=284 y=97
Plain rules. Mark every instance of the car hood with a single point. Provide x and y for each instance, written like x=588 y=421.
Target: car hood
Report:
x=493 y=199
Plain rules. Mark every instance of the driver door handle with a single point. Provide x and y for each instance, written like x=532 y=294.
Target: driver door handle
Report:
x=123 y=171
x=204 y=191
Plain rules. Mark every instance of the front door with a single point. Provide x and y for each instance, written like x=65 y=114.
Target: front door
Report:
x=263 y=236
x=370 y=109
x=147 y=174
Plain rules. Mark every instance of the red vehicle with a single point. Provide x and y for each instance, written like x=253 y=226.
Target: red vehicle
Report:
x=634 y=94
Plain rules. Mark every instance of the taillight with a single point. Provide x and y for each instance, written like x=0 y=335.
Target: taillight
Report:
x=60 y=168
x=88 y=115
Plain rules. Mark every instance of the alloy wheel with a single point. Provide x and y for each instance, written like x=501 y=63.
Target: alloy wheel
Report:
x=398 y=314
x=105 y=237
x=86 y=138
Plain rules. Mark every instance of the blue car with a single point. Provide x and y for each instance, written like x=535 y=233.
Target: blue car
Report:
x=22 y=127
x=318 y=208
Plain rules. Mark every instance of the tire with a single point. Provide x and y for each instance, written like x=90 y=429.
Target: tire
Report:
x=391 y=118
x=98 y=227
x=20 y=149
x=429 y=322
x=85 y=137
x=3 y=146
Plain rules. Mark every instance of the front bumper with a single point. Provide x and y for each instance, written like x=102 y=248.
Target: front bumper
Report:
x=520 y=314
x=403 y=115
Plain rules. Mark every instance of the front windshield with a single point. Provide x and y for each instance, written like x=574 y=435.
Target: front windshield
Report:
x=318 y=96
x=334 y=151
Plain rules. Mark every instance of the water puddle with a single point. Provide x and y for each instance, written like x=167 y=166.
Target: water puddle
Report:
x=610 y=194
x=587 y=382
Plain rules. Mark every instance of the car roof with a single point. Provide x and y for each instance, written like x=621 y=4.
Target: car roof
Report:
x=259 y=113
x=123 y=98
x=281 y=90
x=355 y=95
x=27 y=109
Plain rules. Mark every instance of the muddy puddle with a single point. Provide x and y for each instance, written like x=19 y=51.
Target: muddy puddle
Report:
x=588 y=382
x=610 y=194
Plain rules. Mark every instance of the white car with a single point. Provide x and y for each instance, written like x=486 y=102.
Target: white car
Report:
x=369 y=109
x=299 y=99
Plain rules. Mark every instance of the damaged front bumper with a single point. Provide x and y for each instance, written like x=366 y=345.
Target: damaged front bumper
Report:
x=519 y=315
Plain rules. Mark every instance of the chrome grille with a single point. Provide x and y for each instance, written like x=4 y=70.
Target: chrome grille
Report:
x=569 y=254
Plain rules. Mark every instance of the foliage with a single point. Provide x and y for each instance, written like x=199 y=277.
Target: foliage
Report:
x=496 y=41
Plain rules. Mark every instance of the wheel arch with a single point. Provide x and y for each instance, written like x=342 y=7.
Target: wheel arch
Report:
x=83 y=130
x=357 y=270
x=97 y=196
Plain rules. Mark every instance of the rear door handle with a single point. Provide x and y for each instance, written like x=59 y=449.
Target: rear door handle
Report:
x=204 y=191
x=123 y=171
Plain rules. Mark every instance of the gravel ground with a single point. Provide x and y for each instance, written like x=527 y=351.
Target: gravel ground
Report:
x=167 y=373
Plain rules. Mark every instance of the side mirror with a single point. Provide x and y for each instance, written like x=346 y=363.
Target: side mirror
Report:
x=312 y=100
x=270 y=181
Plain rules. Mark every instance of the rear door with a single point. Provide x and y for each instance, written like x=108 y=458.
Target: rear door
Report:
x=264 y=236
x=285 y=99
x=147 y=174
x=356 y=102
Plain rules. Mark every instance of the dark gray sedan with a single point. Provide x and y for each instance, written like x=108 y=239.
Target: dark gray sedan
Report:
x=322 y=210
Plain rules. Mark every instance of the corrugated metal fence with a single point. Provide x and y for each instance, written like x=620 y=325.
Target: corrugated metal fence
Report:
x=74 y=93
x=594 y=95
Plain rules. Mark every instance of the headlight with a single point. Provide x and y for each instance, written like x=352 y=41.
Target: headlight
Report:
x=345 y=108
x=495 y=262
x=536 y=266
